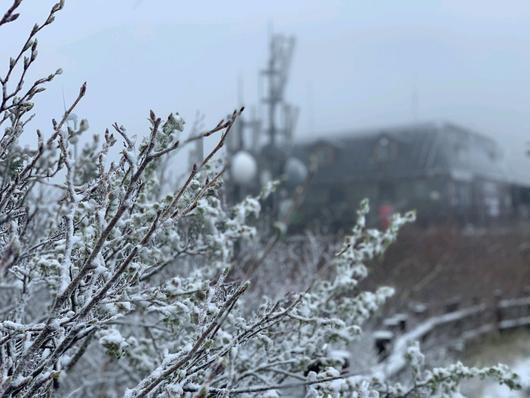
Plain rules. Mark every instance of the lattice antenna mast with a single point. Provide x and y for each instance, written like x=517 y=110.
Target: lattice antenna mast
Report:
x=276 y=75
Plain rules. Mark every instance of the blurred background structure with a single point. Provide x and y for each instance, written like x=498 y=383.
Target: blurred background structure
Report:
x=448 y=173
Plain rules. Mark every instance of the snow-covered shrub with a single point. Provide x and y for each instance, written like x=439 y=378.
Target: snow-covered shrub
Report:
x=110 y=286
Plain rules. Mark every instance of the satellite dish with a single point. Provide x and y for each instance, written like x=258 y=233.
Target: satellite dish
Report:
x=295 y=171
x=244 y=168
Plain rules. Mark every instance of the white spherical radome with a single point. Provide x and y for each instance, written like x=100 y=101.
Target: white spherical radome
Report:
x=244 y=168
x=296 y=171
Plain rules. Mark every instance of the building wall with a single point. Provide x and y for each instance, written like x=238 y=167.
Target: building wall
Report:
x=437 y=199
x=447 y=173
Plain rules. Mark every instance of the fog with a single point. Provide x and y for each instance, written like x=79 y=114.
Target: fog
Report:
x=356 y=64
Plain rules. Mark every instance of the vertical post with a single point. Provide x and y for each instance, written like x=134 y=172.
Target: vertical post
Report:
x=382 y=343
x=497 y=309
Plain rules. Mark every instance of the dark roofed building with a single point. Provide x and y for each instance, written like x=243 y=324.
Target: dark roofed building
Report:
x=442 y=170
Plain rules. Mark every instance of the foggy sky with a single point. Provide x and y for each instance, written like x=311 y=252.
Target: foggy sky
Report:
x=357 y=63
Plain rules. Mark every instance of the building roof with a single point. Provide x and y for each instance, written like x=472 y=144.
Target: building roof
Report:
x=422 y=149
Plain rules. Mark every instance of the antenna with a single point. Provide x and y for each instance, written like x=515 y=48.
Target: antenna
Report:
x=281 y=50
x=272 y=116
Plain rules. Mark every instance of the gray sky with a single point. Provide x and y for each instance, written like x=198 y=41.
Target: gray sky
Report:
x=357 y=63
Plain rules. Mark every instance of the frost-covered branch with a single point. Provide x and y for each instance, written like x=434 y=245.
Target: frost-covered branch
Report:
x=114 y=284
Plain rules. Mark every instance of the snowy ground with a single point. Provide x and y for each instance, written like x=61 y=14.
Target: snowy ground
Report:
x=513 y=349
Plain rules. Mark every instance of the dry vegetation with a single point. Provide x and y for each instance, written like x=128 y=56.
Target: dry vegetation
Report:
x=444 y=264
